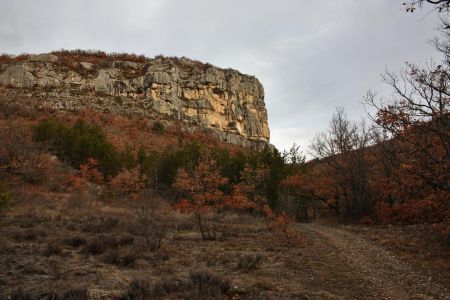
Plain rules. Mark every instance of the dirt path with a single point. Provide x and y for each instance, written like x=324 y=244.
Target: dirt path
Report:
x=384 y=275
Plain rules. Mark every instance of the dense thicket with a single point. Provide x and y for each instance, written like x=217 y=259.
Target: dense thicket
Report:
x=75 y=144
x=80 y=142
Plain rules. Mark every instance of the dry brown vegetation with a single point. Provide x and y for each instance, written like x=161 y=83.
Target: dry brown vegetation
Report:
x=105 y=206
x=69 y=232
x=99 y=59
x=51 y=245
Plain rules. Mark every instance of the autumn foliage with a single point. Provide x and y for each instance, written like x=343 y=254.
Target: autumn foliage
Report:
x=202 y=195
x=248 y=194
x=90 y=172
x=127 y=184
x=394 y=170
x=282 y=226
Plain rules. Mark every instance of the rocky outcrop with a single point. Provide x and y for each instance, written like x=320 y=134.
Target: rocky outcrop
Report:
x=224 y=101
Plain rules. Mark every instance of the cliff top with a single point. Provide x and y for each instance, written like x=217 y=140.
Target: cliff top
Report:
x=222 y=101
x=96 y=59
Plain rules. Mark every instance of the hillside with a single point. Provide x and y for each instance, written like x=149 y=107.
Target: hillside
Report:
x=222 y=101
x=123 y=177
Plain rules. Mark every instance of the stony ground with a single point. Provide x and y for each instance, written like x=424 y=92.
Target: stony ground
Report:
x=58 y=246
x=375 y=272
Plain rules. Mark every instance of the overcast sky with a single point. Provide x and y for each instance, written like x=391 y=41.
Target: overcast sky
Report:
x=311 y=56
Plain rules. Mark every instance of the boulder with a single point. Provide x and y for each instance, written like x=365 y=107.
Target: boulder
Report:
x=46 y=58
x=17 y=76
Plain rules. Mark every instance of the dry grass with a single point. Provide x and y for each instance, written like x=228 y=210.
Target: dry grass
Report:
x=49 y=248
x=414 y=243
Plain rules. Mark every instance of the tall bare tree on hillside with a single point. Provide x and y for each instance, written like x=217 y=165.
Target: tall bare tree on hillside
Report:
x=416 y=120
x=343 y=149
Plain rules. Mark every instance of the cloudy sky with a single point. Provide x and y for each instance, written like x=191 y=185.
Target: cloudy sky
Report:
x=311 y=56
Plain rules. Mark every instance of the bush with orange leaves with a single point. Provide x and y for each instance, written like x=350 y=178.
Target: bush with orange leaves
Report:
x=249 y=194
x=20 y=156
x=128 y=184
x=202 y=196
x=282 y=226
x=89 y=171
x=74 y=184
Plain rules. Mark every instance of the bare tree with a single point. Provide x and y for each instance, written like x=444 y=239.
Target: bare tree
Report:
x=439 y=5
x=414 y=124
x=343 y=149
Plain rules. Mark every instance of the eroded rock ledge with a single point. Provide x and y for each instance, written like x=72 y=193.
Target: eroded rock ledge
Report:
x=224 y=101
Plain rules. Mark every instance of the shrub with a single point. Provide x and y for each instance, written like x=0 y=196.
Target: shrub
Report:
x=7 y=107
x=95 y=247
x=158 y=127
x=89 y=171
x=21 y=294
x=76 y=294
x=19 y=155
x=52 y=249
x=101 y=243
x=35 y=169
x=203 y=196
x=185 y=226
x=125 y=240
x=49 y=295
x=29 y=235
x=142 y=289
x=206 y=284
x=160 y=168
x=114 y=258
x=127 y=183
x=249 y=262
x=282 y=226
x=9 y=58
x=77 y=143
x=138 y=289
x=97 y=225
x=151 y=227
x=4 y=196
x=75 y=241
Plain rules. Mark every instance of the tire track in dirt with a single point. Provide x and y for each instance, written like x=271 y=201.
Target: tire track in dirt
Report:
x=388 y=274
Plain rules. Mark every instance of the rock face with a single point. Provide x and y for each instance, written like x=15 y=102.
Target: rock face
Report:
x=224 y=101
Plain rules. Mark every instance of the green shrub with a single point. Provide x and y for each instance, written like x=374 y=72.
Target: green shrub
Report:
x=79 y=142
x=160 y=167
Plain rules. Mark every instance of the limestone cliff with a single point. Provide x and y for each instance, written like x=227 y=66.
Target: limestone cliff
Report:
x=224 y=101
